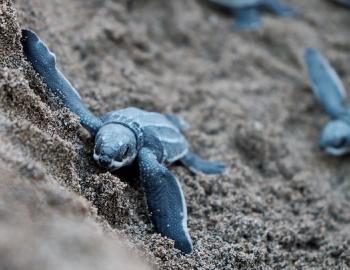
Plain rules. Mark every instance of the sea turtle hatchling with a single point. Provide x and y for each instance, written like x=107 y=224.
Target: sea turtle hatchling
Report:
x=330 y=92
x=131 y=135
x=344 y=3
x=247 y=12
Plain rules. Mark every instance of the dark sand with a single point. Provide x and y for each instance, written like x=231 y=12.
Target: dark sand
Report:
x=283 y=204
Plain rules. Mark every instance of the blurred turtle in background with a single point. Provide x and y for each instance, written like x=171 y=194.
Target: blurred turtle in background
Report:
x=247 y=12
x=344 y=3
x=330 y=92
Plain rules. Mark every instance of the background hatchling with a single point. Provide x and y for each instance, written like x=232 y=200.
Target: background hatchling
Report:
x=331 y=94
x=247 y=12
x=345 y=3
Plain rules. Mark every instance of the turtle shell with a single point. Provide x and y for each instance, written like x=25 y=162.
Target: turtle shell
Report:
x=174 y=143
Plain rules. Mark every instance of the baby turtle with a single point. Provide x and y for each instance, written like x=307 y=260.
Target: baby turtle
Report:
x=247 y=12
x=330 y=92
x=128 y=136
x=344 y=3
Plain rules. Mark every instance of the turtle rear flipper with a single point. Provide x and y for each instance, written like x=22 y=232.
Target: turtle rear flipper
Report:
x=44 y=63
x=246 y=12
x=277 y=8
x=325 y=83
x=247 y=18
x=181 y=124
x=231 y=4
x=165 y=200
x=196 y=164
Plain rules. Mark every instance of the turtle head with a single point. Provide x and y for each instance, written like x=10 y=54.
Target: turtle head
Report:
x=335 y=138
x=115 y=146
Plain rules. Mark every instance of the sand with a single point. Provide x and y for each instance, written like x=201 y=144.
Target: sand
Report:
x=283 y=204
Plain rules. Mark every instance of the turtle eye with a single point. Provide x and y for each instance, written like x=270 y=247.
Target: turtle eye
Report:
x=97 y=150
x=125 y=151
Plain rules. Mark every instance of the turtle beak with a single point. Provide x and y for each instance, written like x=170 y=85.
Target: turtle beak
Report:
x=115 y=165
x=105 y=161
x=337 y=151
x=108 y=163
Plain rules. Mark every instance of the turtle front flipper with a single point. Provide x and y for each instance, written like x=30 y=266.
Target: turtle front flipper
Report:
x=196 y=164
x=44 y=63
x=277 y=8
x=247 y=18
x=165 y=200
x=325 y=83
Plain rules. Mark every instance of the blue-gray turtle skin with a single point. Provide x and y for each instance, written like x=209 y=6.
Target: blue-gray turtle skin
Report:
x=173 y=142
x=330 y=92
x=132 y=136
x=247 y=12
